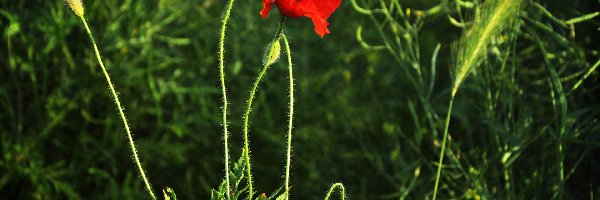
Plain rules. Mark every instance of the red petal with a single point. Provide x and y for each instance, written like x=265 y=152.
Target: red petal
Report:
x=291 y=8
x=266 y=8
x=319 y=11
x=320 y=25
x=324 y=8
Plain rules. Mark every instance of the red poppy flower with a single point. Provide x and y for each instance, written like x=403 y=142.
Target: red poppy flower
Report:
x=317 y=10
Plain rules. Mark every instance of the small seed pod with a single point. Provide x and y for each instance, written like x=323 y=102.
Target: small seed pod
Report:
x=76 y=6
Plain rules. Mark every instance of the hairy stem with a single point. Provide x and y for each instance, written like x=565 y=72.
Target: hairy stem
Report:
x=342 y=191
x=121 y=113
x=262 y=73
x=224 y=92
x=291 y=118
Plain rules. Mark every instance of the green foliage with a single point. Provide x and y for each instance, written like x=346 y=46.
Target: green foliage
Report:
x=502 y=118
x=236 y=176
x=370 y=101
x=491 y=19
x=169 y=194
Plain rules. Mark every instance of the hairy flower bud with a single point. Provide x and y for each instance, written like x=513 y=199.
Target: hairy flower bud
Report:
x=273 y=53
x=76 y=6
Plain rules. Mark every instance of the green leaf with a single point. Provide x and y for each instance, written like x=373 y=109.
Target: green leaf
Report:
x=281 y=197
x=169 y=194
x=275 y=193
x=236 y=175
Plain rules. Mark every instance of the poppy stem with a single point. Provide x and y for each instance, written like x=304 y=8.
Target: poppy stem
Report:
x=279 y=30
x=342 y=191
x=262 y=73
x=290 y=120
x=136 y=158
x=224 y=93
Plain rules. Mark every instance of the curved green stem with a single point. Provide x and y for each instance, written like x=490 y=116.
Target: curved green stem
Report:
x=262 y=73
x=342 y=191
x=291 y=118
x=441 y=160
x=224 y=92
x=121 y=113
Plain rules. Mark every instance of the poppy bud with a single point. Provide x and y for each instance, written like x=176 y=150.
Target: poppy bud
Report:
x=76 y=6
x=272 y=54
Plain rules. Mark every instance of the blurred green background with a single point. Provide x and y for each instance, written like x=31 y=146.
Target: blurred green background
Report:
x=365 y=116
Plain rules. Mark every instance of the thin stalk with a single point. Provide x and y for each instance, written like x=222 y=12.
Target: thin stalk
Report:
x=587 y=74
x=342 y=191
x=490 y=22
x=441 y=159
x=224 y=92
x=262 y=73
x=557 y=88
x=121 y=113
x=291 y=118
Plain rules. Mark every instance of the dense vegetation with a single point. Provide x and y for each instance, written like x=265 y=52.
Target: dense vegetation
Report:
x=370 y=108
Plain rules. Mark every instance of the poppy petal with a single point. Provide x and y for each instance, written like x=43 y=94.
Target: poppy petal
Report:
x=291 y=8
x=323 y=7
x=320 y=24
x=266 y=8
x=319 y=11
